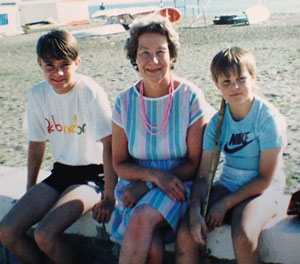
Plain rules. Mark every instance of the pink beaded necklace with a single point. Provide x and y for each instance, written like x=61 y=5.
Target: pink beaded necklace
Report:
x=163 y=123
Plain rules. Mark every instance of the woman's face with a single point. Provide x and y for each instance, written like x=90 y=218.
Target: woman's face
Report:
x=153 y=57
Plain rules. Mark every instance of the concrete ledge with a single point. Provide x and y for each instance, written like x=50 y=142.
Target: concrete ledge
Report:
x=279 y=242
x=13 y=186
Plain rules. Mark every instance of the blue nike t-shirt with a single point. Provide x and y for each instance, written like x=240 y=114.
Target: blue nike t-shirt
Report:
x=241 y=142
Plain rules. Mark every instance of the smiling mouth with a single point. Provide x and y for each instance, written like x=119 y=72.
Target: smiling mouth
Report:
x=153 y=70
x=58 y=81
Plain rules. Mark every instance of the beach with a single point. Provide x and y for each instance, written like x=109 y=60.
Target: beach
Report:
x=275 y=44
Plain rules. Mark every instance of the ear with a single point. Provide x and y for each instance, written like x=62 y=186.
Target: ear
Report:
x=77 y=61
x=217 y=85
x=39 y=61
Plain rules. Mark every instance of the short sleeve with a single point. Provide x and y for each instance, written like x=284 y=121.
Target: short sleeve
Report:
x=117 y=113
x=35 y=122
x=199 y=106
x=273 y=132
x=101 y=114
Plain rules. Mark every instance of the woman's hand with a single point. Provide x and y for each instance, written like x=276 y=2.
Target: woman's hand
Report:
x=171 y=185
x=102 y=211
x=198 y=227
x=216 y=214
x=133 y=193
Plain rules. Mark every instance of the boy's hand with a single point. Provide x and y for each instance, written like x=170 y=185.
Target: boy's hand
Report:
x=133 y=193
x=216 y=215
x=198 y=228
x=102 y=210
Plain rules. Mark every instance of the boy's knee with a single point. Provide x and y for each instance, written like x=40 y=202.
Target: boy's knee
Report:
x=243 y=241
x=43 y=239
x=7 y=234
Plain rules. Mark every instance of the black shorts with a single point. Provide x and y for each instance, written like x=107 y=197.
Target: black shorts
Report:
x=62 y=176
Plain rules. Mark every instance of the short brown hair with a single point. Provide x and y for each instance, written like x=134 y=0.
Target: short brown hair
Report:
x=232 y=59
x=152 y=24
x=58 y=45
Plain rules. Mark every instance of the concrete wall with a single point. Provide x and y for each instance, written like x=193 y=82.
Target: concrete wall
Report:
x=279 y=242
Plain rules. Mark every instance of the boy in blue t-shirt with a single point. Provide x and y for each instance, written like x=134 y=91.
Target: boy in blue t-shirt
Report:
x=252 y=139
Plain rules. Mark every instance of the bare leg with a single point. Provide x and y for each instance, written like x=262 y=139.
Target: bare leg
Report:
x=139 y=235
x=187 y=250
x=157 y=248
x=248 y=220
x=28 y=210
x=73 y=203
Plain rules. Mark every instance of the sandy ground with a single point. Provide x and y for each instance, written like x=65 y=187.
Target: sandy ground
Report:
x=275 y=44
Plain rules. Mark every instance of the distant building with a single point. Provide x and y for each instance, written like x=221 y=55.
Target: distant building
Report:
x=63 y=12
x=9 y=19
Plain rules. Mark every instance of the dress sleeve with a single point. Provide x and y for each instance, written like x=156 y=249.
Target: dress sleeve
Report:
x=199 y=106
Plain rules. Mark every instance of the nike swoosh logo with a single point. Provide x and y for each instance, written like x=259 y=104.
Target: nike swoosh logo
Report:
x=233 y=150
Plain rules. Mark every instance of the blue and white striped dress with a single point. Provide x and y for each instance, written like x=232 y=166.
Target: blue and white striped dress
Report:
x=164 y=151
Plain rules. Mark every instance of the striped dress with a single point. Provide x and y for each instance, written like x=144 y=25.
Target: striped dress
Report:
x=164 y=151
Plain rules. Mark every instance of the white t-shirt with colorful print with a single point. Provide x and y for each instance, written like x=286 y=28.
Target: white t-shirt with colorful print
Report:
x=74 y=123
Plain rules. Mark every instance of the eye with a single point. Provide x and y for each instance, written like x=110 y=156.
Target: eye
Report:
x=66 y=65
x=144 y=54
x=226 y=82
x=49 y=66
x=242 y=78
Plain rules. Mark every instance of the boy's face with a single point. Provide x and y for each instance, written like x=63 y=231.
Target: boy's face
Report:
x=60 y=74
x=237 y=89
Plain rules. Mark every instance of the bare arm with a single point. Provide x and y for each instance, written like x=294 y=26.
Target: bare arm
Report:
x=169 y=181
x=188 y=170
x=127 y=170
x=268 y=163
x=36 y=152
x=102 y=211
x=197 y=222
x=109 y=173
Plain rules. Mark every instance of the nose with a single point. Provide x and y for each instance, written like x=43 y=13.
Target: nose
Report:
x=59 y=71
x=236 y=84
x=154 y=58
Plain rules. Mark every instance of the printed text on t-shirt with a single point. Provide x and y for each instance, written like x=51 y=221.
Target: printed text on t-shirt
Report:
x=74 y=128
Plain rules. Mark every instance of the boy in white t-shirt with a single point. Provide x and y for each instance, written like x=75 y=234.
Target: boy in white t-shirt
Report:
x=72 y=112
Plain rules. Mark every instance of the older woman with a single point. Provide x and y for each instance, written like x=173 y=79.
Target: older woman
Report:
x=157 y=135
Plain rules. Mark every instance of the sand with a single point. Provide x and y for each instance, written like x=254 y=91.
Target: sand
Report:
x=275 y=44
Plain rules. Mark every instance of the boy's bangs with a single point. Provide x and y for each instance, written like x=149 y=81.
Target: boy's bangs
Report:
x=228 y=67
x=52 y=48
